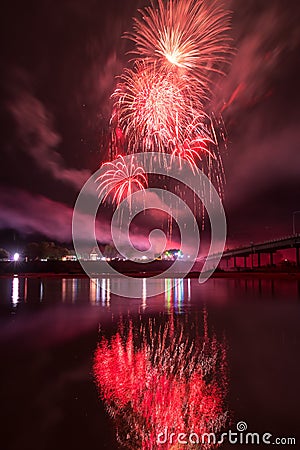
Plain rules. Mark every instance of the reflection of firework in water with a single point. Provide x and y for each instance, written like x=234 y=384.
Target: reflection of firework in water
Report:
x=121 y=180
x=185 y=35
x=162 y=379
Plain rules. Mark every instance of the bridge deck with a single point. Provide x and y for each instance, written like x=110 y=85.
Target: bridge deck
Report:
x=270 y=247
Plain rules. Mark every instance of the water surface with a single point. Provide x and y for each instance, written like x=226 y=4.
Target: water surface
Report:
x=82 y=368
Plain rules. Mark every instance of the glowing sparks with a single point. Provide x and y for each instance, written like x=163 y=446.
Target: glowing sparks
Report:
x=121 y=180
x=173 y=58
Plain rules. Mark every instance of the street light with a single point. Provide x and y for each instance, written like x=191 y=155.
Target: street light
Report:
x=16 y=257
x=294 y=214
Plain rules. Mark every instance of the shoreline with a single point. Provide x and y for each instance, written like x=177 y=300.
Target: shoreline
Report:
x=229 y=275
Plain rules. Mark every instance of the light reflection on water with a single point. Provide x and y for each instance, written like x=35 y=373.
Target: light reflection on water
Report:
x=96 y=291
x=15 y=291
x=178 y=293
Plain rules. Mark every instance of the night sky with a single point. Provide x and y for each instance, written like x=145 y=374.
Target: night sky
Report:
x=60 y=60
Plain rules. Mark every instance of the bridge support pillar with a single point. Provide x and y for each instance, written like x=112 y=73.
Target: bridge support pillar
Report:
x=298 y=256
x=271 y=258
x=258 y=259
x=234 y=261
x=245 y=262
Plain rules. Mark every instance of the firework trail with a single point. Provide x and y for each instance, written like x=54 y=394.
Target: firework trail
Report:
x=163 y=378
x=121 y=180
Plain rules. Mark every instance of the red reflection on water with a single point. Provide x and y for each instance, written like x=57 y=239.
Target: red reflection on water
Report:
x=162 y=376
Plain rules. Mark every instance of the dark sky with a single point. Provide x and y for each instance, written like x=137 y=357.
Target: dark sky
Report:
x=60 y=60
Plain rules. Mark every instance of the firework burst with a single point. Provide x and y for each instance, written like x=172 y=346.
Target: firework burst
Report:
x=192 y=142
x=156 y=108
x=185 y=35
x=161 y=102
x=151 y=104
x=121 y=180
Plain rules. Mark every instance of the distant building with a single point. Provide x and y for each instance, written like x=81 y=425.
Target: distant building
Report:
x=94 y=255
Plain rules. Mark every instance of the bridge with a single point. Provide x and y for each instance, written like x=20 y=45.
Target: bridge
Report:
x=267 y=247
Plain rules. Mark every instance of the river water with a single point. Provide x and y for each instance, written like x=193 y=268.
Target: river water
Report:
x=84 y=369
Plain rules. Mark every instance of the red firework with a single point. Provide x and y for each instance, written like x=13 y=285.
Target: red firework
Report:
x=192 y=143
x=121 y=179
x=150 y=104
x=159 y=104
x=186 y=35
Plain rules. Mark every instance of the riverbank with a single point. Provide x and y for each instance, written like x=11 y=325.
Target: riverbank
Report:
x=73 y=269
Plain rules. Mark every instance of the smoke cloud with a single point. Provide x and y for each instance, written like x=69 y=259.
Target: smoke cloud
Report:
x=39 y=139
